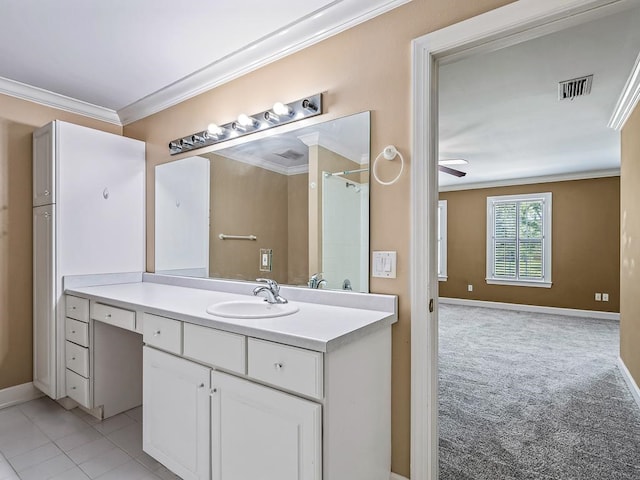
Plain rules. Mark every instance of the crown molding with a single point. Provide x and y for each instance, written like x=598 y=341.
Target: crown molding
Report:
x=564 y=177
x=40 y=96
x=628 y=99
x=324 y=23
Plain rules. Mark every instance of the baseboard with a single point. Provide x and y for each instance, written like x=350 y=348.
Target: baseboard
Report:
x=18 y=394
x=569 y=312
x=395 y=476
x=631 y=383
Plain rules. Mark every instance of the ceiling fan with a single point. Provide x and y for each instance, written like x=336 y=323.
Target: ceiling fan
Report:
x=442 y=166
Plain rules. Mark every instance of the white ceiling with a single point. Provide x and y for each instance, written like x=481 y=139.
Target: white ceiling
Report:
x=500 y=110
x=122 y=60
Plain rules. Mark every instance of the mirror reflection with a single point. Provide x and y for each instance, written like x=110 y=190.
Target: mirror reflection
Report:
x=292 y=206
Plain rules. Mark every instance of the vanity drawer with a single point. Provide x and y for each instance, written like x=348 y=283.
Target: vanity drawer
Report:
x=215 y=347
x=115 y=316
x=77 y=359
x=163 y=333
x=76 y=331
x=77 y=308
x=292 y=368
x=78 y=388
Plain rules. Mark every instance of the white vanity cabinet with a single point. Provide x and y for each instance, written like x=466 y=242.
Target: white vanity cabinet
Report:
x=175 y=413
x=259 y=432
x=88 y=218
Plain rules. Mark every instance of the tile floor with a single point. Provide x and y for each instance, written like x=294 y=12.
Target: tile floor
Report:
x=39 y=440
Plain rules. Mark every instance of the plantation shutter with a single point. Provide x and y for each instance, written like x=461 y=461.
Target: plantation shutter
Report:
x=518 y=240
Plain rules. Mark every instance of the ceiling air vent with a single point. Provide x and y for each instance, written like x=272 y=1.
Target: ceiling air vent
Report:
x=290 y=154
x=576 y=87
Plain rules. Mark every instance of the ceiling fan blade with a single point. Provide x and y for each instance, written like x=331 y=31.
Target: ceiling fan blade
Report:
x=451 y=171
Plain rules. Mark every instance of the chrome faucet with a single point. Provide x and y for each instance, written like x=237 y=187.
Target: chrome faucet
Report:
x=271 y=291
x=316 y=281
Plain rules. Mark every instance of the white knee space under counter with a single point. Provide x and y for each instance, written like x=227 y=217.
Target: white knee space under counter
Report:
x=304 y=396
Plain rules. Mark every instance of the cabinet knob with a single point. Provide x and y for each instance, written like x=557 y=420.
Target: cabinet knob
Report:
x=47 y=214
x=278 y=365
x=156 y=333
x=73 y=331
x=201 y=385
x=105 y=194
x=46 y=193
x=73 y=388
x=108 y=315
x=215 y=390
x=73 y=307
x=73 y=358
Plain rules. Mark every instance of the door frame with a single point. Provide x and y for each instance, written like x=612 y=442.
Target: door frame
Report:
x=514 y=23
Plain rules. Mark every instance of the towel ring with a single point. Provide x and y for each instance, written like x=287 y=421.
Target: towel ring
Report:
x=390 y=152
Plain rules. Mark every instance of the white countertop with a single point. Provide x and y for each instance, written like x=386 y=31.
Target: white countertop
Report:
x=315 y=326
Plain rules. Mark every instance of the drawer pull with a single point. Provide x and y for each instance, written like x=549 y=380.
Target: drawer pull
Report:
x=278 y=365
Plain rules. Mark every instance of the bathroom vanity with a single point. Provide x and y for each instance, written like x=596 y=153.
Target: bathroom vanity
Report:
x=303 y=396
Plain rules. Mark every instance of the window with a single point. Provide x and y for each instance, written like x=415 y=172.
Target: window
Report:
x=442 y=240
x=519 y=240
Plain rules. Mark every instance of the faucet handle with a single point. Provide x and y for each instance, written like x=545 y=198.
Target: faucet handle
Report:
x=272 y=284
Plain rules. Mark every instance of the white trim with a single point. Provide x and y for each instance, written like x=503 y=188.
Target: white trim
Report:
x=565 y=177
x=288 y=40
x=395 y=476
x=55 y=100
x=568 y=312
x=442 y=240
x=18 y=394
x=628 y=99
x=518 y=283
x=508 y=25
x=631 y=383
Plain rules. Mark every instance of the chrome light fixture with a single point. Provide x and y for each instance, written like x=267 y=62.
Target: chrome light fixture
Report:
x=279 y=114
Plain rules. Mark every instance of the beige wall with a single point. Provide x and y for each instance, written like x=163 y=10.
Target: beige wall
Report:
x=18 y=120
x=365 y=68
x=585 y=245
x=630 y=246
x=298 y=212
x=247 y=200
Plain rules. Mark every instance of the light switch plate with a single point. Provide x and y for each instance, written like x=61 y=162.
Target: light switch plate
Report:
x=384 y=264
x=265 y=261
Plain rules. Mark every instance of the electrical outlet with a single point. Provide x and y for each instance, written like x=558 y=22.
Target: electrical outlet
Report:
x=605 y=297
x=469 y=288
x=598 y=297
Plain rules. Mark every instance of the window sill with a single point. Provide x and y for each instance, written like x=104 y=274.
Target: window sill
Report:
x=442 y=278
x=519 y=283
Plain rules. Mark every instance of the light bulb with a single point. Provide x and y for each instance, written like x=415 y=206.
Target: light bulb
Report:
x=280 y=108
x=245 y=120
x=214 y=129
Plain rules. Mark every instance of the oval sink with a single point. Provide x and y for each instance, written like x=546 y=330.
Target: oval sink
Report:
x=251 y=309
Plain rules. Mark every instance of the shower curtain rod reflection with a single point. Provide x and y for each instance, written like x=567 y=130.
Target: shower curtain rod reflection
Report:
x=345 y=172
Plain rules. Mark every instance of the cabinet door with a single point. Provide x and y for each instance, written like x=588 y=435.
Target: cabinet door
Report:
x=176 y=414
x=259 y=432
x=44 y=331
x=101 y=201
x=44 y=165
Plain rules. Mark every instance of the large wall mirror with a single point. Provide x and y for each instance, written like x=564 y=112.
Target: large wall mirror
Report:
x=287 y=207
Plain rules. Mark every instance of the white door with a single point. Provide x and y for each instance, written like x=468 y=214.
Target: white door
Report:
x=261 y=433
x=44 y=165
x=175 y=409
x=44 y=314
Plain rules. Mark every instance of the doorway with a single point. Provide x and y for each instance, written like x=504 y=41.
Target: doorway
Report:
x=509 y=25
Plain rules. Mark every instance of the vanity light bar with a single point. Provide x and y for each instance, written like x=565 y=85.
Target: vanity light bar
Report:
x=280 y=114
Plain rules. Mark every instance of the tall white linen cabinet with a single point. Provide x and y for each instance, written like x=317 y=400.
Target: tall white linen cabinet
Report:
x=88 y=218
